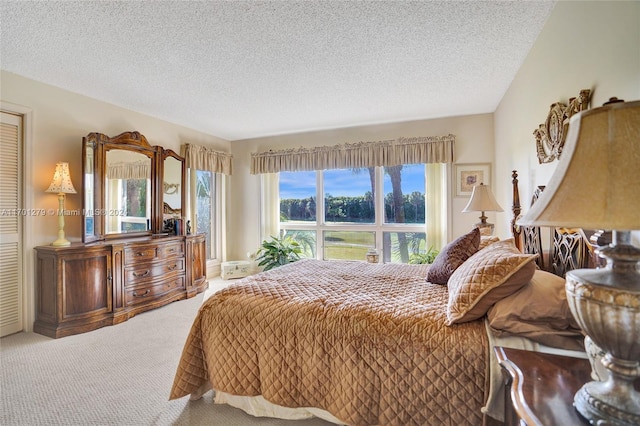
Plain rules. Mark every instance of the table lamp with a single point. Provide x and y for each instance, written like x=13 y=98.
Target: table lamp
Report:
x=61 y=184
x=596 y=185
x=482 y=200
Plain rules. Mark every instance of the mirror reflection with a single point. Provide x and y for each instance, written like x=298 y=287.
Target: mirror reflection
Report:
x=171 y=188
x=89 y=206
x=127 y=188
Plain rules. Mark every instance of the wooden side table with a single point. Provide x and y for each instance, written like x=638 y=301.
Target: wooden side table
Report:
x=540 y=387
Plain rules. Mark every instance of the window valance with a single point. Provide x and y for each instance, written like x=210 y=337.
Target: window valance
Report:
x=204 y=158
x=135 y=170
x=424 y=149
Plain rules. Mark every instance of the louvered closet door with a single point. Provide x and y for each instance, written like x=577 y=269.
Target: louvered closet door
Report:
x=10 y=225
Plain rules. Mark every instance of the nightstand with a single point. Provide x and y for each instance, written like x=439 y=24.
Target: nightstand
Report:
x=539 y=387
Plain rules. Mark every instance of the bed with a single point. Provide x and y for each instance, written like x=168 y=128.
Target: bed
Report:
x=362 y=344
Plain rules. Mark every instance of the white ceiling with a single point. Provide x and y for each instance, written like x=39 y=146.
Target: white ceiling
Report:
x=244 y=69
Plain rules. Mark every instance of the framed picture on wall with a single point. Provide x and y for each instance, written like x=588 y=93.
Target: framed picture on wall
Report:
x=469 y=175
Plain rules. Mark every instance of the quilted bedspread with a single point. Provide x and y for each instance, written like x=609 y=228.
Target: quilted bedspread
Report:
x=366 y=342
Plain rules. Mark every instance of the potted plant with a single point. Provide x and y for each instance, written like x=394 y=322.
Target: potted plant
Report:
x=278 y=251
x=427 y=257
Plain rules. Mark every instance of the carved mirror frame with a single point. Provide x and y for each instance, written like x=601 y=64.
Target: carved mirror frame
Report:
x=95 y=147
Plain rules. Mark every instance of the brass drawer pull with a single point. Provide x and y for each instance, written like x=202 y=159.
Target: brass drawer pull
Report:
x=141 y=295
x=172 y=267
x=138 y=275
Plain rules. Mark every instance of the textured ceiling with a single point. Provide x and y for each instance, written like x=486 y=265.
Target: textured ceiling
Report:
x=239 y=69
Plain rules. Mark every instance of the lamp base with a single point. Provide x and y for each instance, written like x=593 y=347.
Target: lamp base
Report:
x=606 y=304
x=601 y=404
x=485 y=228
x=61 y=242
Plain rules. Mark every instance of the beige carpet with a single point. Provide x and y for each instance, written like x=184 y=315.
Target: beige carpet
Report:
x=118 y=375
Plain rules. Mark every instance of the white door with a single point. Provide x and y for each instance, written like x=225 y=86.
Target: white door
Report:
x=10 y=224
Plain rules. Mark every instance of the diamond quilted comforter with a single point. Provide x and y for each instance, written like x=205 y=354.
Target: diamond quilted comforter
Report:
x=366 y=342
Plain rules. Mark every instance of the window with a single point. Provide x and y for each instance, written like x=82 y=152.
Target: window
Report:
x=129 y=197
x=207 y=195
x=134 y=205
x=342 y=213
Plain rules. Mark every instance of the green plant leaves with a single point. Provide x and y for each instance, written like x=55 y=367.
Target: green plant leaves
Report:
x=420 y=258
x=277 y=251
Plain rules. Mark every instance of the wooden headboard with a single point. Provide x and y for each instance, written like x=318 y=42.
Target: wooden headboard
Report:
x=568 y=248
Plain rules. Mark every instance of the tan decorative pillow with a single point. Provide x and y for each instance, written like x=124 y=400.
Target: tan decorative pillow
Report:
x=485 y=241
x=486 y=277
x=452 y=256
x=538 y=311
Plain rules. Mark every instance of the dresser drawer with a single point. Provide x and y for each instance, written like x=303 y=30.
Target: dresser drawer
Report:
x=149 y=271
x=146 y=252
x=172 y=249
x=154 y=290
x=141 y=253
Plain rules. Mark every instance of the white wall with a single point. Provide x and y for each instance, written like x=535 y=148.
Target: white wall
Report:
x=584 y=45
x=474 y=144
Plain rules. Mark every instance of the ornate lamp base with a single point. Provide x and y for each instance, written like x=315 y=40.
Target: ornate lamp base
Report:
x=485 y=227
x=601 y=405
x=606 y=304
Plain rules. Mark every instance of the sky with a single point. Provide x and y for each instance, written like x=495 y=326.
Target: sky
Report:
x=345 y=182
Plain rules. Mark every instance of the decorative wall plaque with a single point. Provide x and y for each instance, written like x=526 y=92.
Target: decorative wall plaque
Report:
x=551 y=134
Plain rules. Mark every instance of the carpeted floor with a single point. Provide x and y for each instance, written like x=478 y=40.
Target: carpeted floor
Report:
x=117 y=375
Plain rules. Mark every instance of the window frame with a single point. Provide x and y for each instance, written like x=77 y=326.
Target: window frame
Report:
x=216 y=249
x=379 y=227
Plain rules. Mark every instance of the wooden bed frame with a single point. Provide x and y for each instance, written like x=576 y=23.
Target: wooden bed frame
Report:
x=569 y=248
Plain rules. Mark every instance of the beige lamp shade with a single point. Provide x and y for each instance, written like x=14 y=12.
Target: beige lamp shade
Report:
x=482 y=200
x=596 y=184
x=61 y=183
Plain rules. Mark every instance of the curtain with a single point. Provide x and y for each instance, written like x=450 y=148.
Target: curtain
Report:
x=431 y=149
x=136 y=170
x=435 y=207
x=219 y=163
x=204 y=158
x=269 y=205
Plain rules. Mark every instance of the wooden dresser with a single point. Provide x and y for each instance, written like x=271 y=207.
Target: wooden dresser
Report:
x=87 y=286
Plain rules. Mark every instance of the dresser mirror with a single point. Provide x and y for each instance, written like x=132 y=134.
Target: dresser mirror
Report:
x=89 y=231
x=126 y=184
x=172 y=189
x=127 y=191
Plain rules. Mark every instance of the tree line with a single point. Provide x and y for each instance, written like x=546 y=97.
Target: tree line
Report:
x=358 y=209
